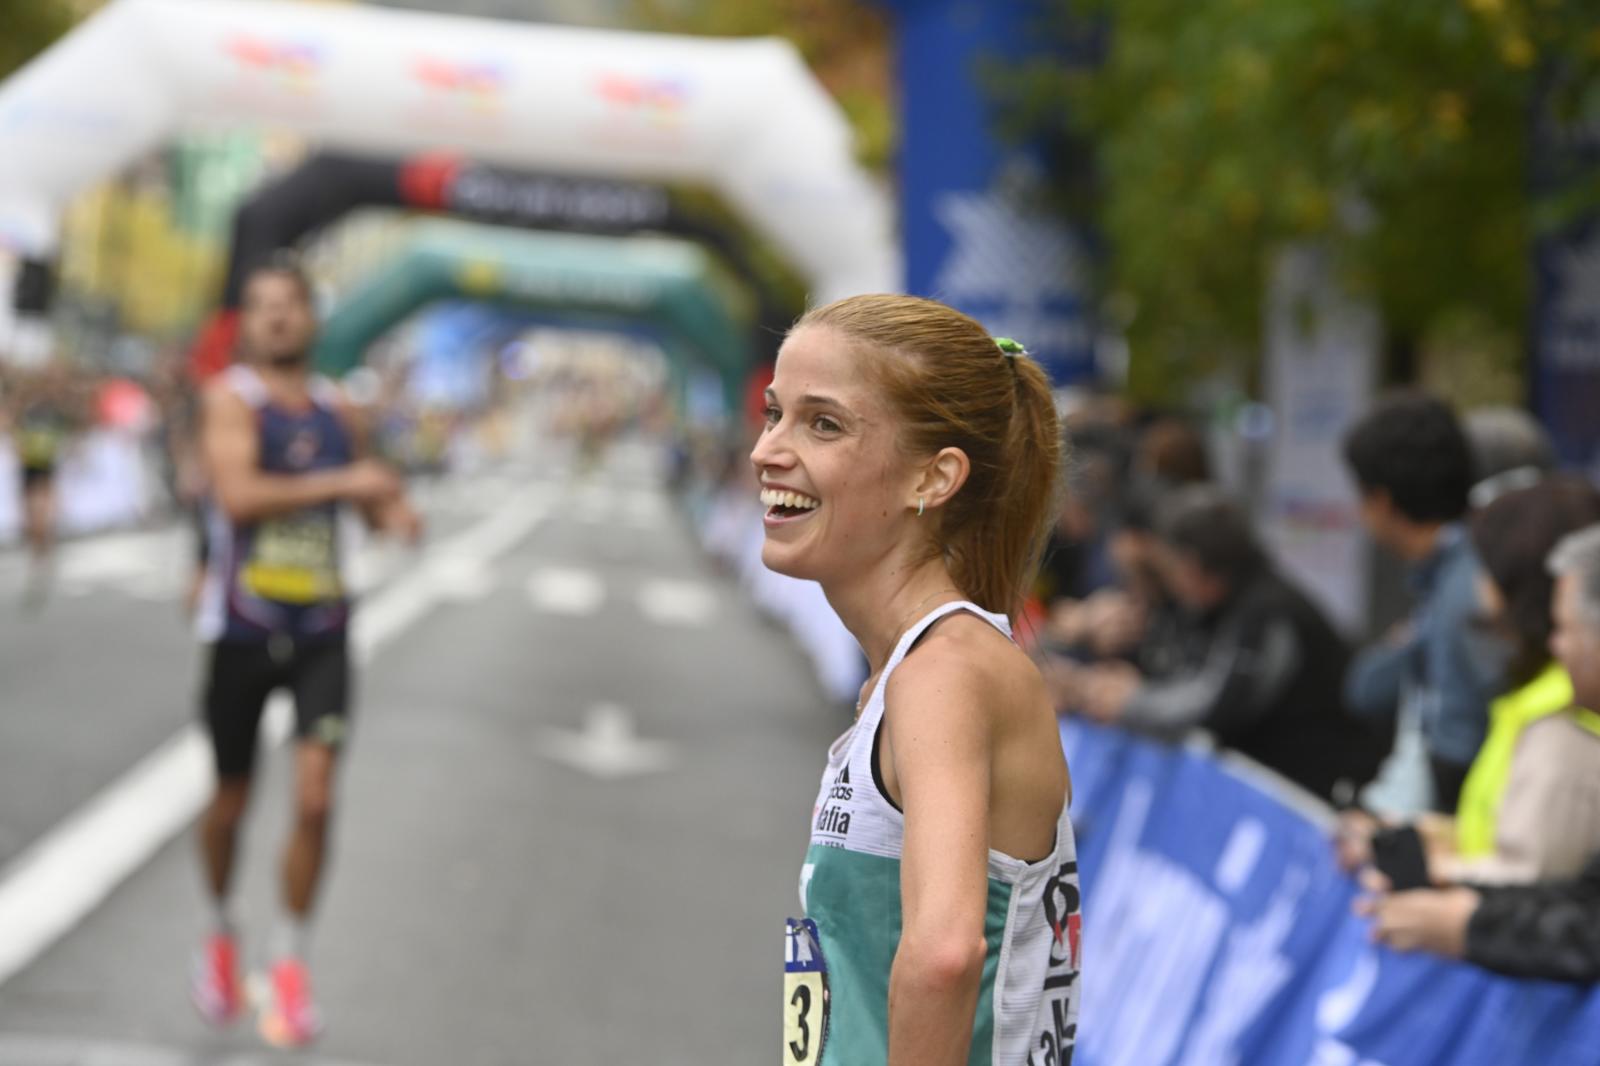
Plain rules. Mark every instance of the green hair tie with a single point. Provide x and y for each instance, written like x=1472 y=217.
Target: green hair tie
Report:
x=1010 y=347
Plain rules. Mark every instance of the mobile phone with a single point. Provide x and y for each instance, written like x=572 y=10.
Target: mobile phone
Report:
x=1398 y=854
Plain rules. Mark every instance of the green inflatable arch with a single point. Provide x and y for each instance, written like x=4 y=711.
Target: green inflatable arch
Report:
x=674 y=286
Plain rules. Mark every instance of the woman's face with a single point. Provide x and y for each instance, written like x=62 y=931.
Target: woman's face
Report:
x=837 y=490
x=1576 y=640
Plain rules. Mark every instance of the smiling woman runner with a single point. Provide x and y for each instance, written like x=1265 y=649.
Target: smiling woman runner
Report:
x=909 y=465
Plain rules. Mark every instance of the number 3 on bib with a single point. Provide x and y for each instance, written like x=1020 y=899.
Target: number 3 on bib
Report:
x=805 y=994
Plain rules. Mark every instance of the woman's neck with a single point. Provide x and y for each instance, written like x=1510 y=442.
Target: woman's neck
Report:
x=878 y=608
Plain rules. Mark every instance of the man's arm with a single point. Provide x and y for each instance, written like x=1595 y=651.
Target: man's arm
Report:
x=392 y=514
x=230 y=451
x=359 y=427
x=1549 y=930
x=1461 y=671
x=1376 y=675
x=1246 y=671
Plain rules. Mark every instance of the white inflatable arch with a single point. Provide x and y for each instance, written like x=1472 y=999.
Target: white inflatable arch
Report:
x=744 y=117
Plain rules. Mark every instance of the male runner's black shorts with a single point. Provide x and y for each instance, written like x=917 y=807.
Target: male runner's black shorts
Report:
x=241 y=675
x=37 y=477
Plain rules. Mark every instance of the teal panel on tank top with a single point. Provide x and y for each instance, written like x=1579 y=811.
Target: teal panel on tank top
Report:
x=854 y=898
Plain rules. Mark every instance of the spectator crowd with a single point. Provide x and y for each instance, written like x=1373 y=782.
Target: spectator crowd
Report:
x=1163 y=612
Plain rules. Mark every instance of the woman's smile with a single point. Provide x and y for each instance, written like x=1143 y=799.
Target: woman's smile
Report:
x=786 y=506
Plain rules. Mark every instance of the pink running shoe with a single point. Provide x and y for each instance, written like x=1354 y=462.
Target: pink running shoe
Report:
x=214 y=983
x=289 y=1019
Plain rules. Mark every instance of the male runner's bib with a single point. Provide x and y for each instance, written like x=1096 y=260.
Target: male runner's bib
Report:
x=850 y=888
x=282 y=576
x=41 y=432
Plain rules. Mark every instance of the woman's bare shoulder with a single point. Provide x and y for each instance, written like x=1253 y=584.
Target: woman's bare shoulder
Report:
x=965 y=657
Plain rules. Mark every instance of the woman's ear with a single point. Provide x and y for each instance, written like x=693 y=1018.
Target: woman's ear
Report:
x=943 y=476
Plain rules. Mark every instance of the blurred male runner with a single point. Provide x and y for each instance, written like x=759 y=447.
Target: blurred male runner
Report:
x=42 y=424
x=282 y=454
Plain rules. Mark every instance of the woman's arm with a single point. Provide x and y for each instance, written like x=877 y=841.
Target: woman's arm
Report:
x=940 y=743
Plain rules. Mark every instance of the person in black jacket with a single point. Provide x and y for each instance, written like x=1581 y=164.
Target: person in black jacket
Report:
x=1548 y=930
x=1257 y=664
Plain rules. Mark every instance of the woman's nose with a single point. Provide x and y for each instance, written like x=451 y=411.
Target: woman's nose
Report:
x=768 y=450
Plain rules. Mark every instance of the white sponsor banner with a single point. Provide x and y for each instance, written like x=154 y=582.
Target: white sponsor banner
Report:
x=1321 y=359
x=744 y=116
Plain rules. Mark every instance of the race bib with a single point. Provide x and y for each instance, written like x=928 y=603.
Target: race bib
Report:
x=38 y=447
x=294 y=560
x=805 y=994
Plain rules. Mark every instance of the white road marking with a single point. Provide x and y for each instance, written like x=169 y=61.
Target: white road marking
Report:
x=118 y=556
x=566 y=590
x=593 y=503
x=644 y=509
x=50 y=887
x=677 y=603
x=461 y=579
x=607 y=746
x=411 y=597
x=75 y=1051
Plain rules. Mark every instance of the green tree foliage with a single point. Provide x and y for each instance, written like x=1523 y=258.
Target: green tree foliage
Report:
x=27 y=27
x=1397 y=133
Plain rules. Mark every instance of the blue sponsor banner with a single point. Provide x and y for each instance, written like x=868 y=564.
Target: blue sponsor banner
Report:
x=1565 y=167
x=1218 y=932
x=974 y=234
x=1566 y=341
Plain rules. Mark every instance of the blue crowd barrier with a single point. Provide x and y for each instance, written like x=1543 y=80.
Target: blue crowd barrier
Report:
x=1218 y=932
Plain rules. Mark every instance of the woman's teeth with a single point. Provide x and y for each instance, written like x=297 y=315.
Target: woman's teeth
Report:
x=794 y=500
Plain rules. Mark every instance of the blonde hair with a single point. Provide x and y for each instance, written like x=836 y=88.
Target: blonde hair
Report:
x=951 y=385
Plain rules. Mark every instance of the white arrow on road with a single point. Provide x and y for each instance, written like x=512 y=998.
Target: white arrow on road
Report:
x=461 y=578
x=607 y=746
x=677 y=603
x=566 y=590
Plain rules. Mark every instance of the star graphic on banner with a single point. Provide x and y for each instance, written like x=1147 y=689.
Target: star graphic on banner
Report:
x=1578 y=282
x=1000 y=253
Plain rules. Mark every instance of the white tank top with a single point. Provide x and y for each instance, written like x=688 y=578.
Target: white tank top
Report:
x=850 y=886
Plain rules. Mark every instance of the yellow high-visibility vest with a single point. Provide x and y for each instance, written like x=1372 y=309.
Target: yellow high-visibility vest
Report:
x=1478 y=813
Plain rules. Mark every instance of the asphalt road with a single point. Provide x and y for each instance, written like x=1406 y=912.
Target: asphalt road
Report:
x=570 y=821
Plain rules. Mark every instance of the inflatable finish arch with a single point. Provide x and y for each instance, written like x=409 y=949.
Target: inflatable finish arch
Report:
x=671 y=284
x=742 y=116
x=326 y=186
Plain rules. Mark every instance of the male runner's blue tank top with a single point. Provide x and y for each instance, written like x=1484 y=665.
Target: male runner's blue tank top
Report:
x=282 y=576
